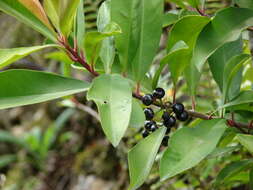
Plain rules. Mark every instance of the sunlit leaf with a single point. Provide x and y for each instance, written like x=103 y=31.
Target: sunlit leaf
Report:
x=24 y=87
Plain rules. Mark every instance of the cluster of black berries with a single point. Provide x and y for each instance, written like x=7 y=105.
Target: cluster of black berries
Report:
x=169 y=120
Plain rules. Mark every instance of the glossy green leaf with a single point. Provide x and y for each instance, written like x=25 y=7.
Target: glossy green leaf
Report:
x=147 y=23
x=93 y=41
x=67 y=12
x=124 y=42
x=51 y=8
x=80 y=22
x=8 y=56
x=244 y=3
x=107 y=52
x=246 y=141
x=221 y=151
x=169 y=18
x=24 y=87
x=251 y=179
x=137 y=118
x=231 y=70
x=142 y=156
x=231 y=170
x=188 y=146
x=18 y=10
x=245 y=97
x=59 y=56
x=141 y=24
x=218 y=61
x=113 y=96
x=215 y=35
x=193 y=24
x=177 y=60
x=62 y=13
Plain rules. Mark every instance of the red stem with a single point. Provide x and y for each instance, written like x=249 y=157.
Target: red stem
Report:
x=73 y=54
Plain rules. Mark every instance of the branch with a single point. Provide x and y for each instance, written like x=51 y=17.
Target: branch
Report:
x=73 y=54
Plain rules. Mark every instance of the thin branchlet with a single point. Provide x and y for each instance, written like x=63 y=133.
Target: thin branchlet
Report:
x=74 y=55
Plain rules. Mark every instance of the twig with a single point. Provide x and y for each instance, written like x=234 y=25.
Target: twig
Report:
x=73 y=54
x=86 y=109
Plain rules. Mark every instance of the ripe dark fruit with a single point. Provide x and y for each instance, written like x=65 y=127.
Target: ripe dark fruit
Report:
x=145 y=133
x=178 y=108
x=183 y=116
x=158 y=93
x=149 y=113
x=153 y=128
x=166 y=116
x=168 y=131
x=149 y=125
x=169 y=122
x=147 y=99
x=165 y=141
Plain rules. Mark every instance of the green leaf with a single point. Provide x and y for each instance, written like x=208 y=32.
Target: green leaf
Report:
x=169 y=18
x=113 y=96
x=8 y=56
x=231 y=170
x=141 y=24
x=59 y=56
x=62 y=14
x=124 y=42
x=93 y=41
x=215 y=35
x=245 y=97
x=251 y=179
x=22 y=13
x=220 y=58
x=246 y=141
x=147 y=23
x=188 y=146
x=51 y=8
x=177 y=60
x=137 y=115
x=24 y=87
x=231 y=70
x=221 y=151
x=67 y=11
x=107 y=52
x=142 y=156
x=193 y=25
x=80 y=21
x=245 y=3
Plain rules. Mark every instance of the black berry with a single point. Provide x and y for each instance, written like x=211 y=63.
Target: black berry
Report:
x=169 y=122
x=178 y=108
x=149 y=125
x=166 y=116
x=149 y=113
x=158 y=93
x=153 y=128
x=165 y=141
x=168 y=131
x=147 y=99
x=145 y=133
x=182 y=116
